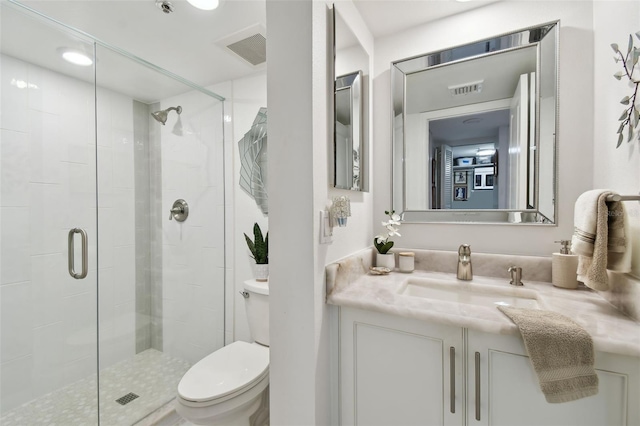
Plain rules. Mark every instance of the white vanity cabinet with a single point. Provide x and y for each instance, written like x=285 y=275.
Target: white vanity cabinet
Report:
x=502 y=388
x=401 y=371
x=398 y=371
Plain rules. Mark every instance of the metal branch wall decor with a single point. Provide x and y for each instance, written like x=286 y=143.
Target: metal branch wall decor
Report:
x=630 y=117
x=253 y=159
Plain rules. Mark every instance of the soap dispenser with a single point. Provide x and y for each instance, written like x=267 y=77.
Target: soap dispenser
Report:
x=564 y=267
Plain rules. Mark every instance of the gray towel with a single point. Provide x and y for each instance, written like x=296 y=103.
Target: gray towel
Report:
x=561 y=353
x=600 y=238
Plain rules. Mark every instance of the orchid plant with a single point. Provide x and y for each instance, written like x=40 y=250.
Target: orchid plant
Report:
x=630 y=117
x=382 y=242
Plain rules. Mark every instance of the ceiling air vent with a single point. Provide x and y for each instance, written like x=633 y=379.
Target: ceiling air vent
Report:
x=250 y=44
x=466 y=88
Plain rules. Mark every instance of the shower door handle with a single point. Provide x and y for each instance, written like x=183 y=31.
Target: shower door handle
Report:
x=72 y=251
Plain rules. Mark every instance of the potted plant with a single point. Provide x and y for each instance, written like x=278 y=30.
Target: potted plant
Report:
x=383 y=244
x=259 y=248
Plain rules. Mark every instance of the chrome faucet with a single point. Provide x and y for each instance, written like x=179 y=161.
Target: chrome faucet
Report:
x=516 y=275
x=464 y=263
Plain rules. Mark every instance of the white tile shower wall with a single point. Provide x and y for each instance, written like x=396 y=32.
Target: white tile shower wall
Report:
x=47 y=318
x=116 y=226
x=193 y=250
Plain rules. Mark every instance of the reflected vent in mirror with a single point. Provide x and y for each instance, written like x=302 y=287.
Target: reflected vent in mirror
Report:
x=466 y=88
x=250 y=44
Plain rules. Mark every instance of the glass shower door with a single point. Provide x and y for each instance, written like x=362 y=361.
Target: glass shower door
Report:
x=48 y=256
x=161 y=228
x=105 y=298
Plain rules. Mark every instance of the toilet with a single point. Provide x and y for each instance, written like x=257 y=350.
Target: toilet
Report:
x=231 y=385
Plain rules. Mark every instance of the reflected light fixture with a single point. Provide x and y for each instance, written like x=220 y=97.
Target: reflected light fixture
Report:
x=485 y=152
x=204 y=4
x=75 y=57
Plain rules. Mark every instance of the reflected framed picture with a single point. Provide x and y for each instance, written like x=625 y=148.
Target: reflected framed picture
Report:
x=460 y=177
x=460 y=193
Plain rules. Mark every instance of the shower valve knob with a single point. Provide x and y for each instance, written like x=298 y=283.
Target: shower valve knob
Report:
x=179 y=211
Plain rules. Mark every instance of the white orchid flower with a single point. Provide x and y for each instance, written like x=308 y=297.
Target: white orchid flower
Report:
x=381 y=239
x=393 y=232
x=393 y=220
x=391 y=227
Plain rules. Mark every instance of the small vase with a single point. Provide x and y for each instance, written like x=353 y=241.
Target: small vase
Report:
x=387 y=260
x=261 y=271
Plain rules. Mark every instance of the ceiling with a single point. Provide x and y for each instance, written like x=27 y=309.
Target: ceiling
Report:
x=185 y=41
x=428 y=90
x=385 y=17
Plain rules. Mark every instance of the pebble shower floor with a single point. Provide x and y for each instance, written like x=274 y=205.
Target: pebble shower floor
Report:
x=151 y=375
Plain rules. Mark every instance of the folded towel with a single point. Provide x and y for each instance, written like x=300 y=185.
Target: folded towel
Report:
x=600 y=238
x=561 y=353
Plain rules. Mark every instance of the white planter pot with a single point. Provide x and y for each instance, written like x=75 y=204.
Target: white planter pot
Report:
x=261 y=272
x=386 y=260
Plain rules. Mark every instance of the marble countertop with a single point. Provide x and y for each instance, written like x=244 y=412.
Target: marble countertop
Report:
x=349 y=285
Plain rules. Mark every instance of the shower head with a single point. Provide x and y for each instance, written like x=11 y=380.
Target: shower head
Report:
x=161 y=116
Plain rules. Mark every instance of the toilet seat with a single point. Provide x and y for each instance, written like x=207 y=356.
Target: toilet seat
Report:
x=224 y=374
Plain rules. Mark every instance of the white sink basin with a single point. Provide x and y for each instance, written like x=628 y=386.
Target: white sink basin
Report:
x=469 y=293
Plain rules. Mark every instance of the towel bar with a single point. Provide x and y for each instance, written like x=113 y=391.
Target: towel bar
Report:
x=617 y=197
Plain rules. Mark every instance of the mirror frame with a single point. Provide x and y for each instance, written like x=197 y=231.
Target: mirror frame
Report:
x=530 y=36
x=351 y=83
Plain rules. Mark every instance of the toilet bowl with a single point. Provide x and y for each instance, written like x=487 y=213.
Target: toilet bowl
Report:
x=231 y=385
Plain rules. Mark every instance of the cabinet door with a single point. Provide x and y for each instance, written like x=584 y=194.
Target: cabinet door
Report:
x=508 y=392
x=396 y=371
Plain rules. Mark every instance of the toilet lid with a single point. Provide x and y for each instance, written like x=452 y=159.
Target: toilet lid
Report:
x=227 y=370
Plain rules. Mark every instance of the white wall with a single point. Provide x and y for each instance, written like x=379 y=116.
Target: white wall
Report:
x=575 y=74
x=299 y=140
x=243 y=99
x=359 y=231
x=617 y=169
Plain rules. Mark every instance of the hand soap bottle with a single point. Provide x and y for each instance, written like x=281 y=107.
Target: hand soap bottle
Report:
x=564 y=266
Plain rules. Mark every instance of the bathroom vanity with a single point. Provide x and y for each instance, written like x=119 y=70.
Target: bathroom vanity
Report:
x=425 y=348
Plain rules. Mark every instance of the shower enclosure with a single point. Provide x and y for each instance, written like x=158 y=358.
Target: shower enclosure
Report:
x=106 y=298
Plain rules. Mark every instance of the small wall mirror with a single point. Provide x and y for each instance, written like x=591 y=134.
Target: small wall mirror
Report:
x=475 y=131
x=348 y=131
x=351 y=109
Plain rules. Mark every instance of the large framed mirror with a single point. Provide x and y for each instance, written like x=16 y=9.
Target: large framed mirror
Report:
x=474 y=130
x=351 y=108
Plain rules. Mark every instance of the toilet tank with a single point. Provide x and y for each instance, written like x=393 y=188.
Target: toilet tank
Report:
x=257 y=307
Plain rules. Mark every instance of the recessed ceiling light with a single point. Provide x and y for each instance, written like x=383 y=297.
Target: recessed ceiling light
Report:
x=204 y=4
x=75 y=57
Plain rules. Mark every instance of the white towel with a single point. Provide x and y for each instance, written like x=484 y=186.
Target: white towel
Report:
x=600 y=238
